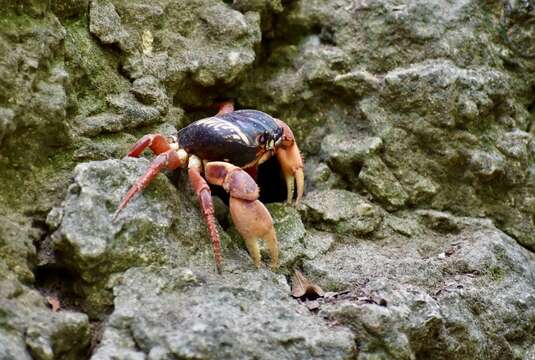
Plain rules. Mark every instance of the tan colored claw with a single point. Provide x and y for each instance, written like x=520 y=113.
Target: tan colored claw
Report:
x=251 y=218
x=291 y=163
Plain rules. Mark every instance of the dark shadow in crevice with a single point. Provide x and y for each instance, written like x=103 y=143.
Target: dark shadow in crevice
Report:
x=56 y=282
x=271 y=181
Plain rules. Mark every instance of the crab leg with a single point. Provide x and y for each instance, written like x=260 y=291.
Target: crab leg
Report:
x=168 y=159
x=159 y=145
x=250 y=216
x=225 y=107
x=291 y=163
x=207 y=207
x=156 y=142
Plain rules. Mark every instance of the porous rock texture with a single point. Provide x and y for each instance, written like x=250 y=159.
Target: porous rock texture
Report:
x=416 y=121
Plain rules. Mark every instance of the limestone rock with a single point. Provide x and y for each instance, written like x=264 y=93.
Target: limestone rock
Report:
x=183 y=312
x=342 y=212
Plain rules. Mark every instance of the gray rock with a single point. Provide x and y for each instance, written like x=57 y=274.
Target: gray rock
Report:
x=159 y=226
x=514 y=144
x=426 y=107
x=469 y=292
x=29 y=330
x=341 y=211
x=358 y=82
x=149 y=91
x=105 y=23
x=439 y=221
x=290 y=235
x=6 y=122
x=321 y=176
x=162 y=313
x=346 y=153
x=382 y=184
x=206 y=41
x=486 y=165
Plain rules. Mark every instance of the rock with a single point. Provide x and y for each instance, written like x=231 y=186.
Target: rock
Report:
x=341 y=211
x=417 y=108
x=358 y=82
x=159 y=226
x=105 y=23
x=321 y=175
x=149 y=91
x=486 y=165
x=346 y=154
x=514 y=144
x=439 y=221
x=206 y=41
x=29 y=330
x=382 y=184
x=469 y=291
x=183 y=312
x=290 y=235
x=6 y=122
x=69 y=8
x=519 y=29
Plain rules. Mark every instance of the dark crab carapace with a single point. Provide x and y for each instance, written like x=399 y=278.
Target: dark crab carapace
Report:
x=226 y=150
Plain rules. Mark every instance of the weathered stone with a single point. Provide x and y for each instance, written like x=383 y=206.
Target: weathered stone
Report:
x=29 y=328
x=382 y=184
x=456 y=289
x=290 y=234
x=358 y=82
x=439 y=221
x=163 y=313
x=346 y=153
x=514 y=144
x=105 y=23
x=206 y=41
x=321 y=175
x=341 y=211
x=159 y=226
x=6 y=122
x=487 y=165
x=149 y=91
x=422 y=106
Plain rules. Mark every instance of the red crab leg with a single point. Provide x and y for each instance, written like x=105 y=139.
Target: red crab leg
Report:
x=225 y=107
x=207 y=207
x=291 y=163
x=250 y=216
x=156 y=142
x=168 y=159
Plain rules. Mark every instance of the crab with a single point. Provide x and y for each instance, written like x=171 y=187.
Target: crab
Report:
x=226 y=150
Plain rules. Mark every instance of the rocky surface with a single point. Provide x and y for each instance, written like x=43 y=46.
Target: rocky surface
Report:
x=416 y=123
x=30 y=330
x=469 y=289
x=163 y=313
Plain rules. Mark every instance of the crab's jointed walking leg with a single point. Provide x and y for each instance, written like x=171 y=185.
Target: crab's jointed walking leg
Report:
x=251 y=218
x=156 y=142
x=207 y=207
x=167 y=159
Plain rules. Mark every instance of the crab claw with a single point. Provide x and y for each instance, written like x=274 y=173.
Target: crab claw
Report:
x=291 y=163
x=253 y=221
x=250 y=216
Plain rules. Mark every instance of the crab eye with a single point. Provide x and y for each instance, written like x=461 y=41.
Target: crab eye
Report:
x=262 y=138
